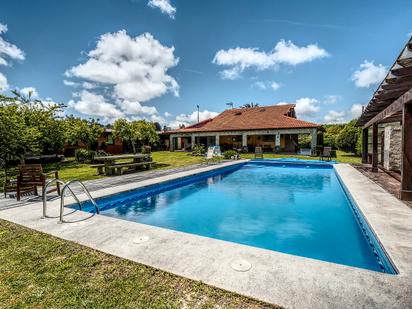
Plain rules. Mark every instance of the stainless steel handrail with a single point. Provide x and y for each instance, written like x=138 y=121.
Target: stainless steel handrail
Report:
x=45 y=195
x=66 y=186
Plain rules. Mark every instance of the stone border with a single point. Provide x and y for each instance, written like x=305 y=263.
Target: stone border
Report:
x=274 y=277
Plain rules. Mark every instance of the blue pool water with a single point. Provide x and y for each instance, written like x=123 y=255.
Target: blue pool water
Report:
x=292 y=208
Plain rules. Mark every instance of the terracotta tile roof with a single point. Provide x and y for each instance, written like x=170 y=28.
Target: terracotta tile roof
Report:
x=256 y=118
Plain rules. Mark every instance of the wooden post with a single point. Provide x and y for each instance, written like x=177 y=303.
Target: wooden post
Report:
x=365 y=146
x=375 y=147
x=406 y=176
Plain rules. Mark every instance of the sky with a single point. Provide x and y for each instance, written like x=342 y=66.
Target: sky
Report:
x=159 y=59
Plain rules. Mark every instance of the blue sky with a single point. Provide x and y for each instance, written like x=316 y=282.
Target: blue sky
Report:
x=158 y=59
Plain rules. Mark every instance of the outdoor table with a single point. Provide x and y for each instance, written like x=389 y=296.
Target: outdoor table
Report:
x=110 y=161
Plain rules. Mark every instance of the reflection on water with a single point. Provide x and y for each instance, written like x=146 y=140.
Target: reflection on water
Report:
x=295 y=210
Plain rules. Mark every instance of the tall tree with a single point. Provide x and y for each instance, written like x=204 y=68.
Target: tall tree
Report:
x=82 y=130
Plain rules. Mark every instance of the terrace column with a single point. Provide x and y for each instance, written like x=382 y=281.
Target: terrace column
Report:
x=314 y=141
x=244 y=140
x=277 y=142
x=171 y=147
x=365 y=146
x=375 y=147
x=193 y=140
x=406 y=176
x=217 y=140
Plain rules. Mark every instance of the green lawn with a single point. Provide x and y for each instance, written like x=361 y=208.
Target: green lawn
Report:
x=41 y=271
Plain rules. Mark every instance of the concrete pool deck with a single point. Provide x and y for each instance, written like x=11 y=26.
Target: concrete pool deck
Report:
x=275 y=277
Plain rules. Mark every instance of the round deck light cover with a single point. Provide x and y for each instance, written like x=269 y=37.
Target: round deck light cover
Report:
x=241 y=265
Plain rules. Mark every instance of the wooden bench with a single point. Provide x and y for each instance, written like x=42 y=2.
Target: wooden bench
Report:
x=100 y=168
x=118 y=167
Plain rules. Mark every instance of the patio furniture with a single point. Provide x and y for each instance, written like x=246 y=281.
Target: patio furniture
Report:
x=110 y=164
x=305 y=151
x=31 y=176
x=10 y=181
x=258 y=152
x=326 y=153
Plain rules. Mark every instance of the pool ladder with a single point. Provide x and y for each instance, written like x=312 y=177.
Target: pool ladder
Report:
x=66 y=186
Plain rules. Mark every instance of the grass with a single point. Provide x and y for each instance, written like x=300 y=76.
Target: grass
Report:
x=41 y=271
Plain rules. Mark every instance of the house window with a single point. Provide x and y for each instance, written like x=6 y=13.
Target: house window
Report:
x=110 y=140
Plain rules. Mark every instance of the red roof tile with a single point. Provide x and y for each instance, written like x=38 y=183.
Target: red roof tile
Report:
x=256 y=118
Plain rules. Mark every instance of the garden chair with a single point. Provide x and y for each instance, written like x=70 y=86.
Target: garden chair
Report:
x=258 y=152
x=31 y=176
x=326 y=153
x=10 y=181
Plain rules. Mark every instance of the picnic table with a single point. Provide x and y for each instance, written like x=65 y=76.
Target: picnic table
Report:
x=110 y=164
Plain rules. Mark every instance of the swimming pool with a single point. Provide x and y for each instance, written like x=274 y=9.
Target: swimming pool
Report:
x=299 y=209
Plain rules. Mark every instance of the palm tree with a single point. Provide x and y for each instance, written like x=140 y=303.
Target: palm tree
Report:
x=250 y=105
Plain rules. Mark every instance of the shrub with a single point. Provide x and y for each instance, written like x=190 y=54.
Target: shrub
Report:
x=229 y=154
x=84 y=155
x=146 y=149
x=198 y=150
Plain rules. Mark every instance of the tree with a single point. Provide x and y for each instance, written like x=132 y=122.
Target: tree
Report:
x=82 y=130
x=28 y=127
x=145 y=132
x=348 y=137
x=250 y=105
x=157 y=126
x=123 y=129
x=135 y=132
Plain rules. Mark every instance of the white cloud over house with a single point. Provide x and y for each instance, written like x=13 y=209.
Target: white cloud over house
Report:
x=8 y=51
x=369 y=74
x=121 y=74
x=188 y=119
x=285 y=52
x=165 y=7
x=305 y=106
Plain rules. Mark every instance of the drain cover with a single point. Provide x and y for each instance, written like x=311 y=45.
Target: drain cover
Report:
x=141 y=239
x=241 y=265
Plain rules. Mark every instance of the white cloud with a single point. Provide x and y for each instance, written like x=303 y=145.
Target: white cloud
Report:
x=356 y=110
x=343 y=116
x=275 y=86
x=369 y=74
x=26 y=91
x=305 y=106
x=135 y=108
x=285 y=52
x=89 y=103
x=70 y=83
x=335 y=117
x=4 y=85
x=129 y=70
x=167 y=114
x=188 y=119
x=266 y=85
x=260 y=85
x=332 y=99
x=164 y=6
x=7 y=51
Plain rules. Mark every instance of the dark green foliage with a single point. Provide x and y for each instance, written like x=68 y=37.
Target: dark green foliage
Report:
x=348 y=137
x=229 y=154
x=198 y=150
x=84 y=155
